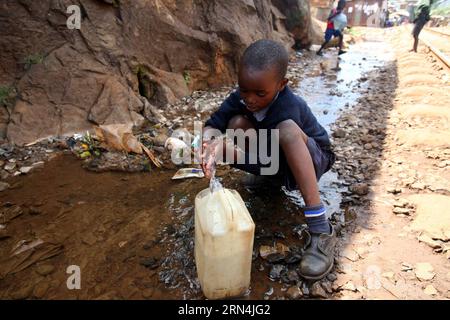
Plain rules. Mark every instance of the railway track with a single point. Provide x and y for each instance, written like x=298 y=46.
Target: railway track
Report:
x=437 y=42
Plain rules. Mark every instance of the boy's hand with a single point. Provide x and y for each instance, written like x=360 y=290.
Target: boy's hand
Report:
x=208 y=156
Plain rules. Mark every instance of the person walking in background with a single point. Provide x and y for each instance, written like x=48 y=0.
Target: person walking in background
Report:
x=420 y=21
x=336 y=23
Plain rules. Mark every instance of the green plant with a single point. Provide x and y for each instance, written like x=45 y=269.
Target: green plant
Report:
x=6 y=94
x=187 y=77
x=89 y=146
x=33 y=59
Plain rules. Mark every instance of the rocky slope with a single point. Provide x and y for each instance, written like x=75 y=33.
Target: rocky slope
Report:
x=128 y=56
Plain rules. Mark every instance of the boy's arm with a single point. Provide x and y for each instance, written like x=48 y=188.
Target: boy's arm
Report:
x=228 y=109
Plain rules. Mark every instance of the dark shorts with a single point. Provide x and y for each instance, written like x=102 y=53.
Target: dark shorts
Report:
x=418 y=27
x=329 y=33
x=323 y=160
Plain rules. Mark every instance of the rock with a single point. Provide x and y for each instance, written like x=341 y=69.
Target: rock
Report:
x=349 y=286
x=325 y=111
x=105 y=95
x=424 y=271
x=317 y=291
x=276 y=271
x=401 y=203
x=25 y=170
x=406 y=267
x=45 y=269
x=40 y=289
x=34 y=211
x=38 y=165
x=3 y=186
x=430 y=290
x=22 y=293
x=367 y=146
x=389 y=275
x=150 y=263
x=360 y=189
x=292 y=276
x=398 y=210
x=394 y=190
x=326 y=285
x=10 y=167
x=89 y=239
x=372 y=278
x=160 y=140
x=294 y=293
x=350 y=254
x=147 y=293
x=339 y=133
x=418 y=185
x=332 y=277
x=305 y=289
x=429 y=241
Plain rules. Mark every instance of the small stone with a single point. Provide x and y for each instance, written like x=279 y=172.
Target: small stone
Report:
x=418 y=185
x=40 y=289
x=294 y=293
x=360 y=189
x=332 y=277
x=429 y=241
x=325 y=111
x=3 y=186
x=424 y=271
x=10 y=167
x=406 y=267
x=401 y=203
x=22 y=293
x=292 y=276
x=34 y=211
x=305 y=289
x=394 y=190
x=389 y=275
x=430 y=290
x=368 y=146
x=150 y=263
x=45 y=269
x=317 y=291
x=25 y=170
x=326 y=285
x=398 y=210
x=350 y=254
x=349 y=286
x=147 y=293
x=276 y=271
x=39 y=164
x=339 y=133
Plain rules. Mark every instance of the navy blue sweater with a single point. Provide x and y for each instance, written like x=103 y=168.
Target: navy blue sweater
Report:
x=286 y=106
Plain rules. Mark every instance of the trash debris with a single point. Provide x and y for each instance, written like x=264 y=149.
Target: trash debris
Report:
x=28 y=253
x=188 y=173
x=24 y=245
x=266 y=251
x=119 y=137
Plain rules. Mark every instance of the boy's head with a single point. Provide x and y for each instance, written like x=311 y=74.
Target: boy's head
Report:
x=341 y=4
x=262 y=72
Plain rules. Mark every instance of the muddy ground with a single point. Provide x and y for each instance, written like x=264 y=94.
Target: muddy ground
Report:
x=131 y=230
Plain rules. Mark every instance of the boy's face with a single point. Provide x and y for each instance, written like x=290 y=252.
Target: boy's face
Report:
x=259 y=87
